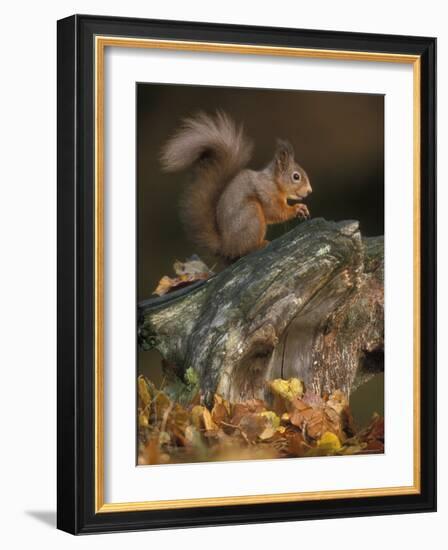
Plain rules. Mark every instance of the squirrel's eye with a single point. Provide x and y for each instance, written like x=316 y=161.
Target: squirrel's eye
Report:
x=296 y=176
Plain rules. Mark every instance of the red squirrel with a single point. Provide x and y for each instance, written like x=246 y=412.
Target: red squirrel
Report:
x=227 y=207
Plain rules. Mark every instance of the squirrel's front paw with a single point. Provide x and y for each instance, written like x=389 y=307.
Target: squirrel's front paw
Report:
x=301 y=211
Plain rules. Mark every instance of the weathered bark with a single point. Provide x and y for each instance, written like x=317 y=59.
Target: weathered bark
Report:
x=308 y=305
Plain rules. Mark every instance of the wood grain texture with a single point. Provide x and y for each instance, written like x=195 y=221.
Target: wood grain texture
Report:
x=309 y=305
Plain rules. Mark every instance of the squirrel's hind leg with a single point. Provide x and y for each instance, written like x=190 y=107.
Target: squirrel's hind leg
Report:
x=242 y=230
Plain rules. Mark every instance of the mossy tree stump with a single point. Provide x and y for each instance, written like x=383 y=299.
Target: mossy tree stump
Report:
x=309 y=305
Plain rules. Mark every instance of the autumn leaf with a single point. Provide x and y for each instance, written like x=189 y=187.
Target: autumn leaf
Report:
x=337 y=401
x=329 y=442
x=327 y=445
x=285 y=391
x=143 y=390
x=171 y=432
x=197 y=413
x=373 y=435
x=301 y=413
x=188 y=272
x=295 y=443
x=202 y=419
x=272 y=424
x=241 y=409
x=313 y=400
x=221 y=410
x=288 y=389
x=252 y=425
x=209 y=425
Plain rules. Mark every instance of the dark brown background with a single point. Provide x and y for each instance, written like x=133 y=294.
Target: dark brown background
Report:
x=338 y=138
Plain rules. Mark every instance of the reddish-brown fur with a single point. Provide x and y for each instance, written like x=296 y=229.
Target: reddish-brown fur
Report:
x=227 y=207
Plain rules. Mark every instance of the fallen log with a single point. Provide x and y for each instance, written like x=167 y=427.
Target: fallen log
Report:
x=309 y=305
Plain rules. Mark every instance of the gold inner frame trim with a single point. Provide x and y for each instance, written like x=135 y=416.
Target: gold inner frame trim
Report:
x=101 y=42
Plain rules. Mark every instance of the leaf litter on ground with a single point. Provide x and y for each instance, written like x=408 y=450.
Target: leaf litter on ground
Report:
x=292 y=422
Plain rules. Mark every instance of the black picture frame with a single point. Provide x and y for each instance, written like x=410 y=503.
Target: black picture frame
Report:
x=76 y=301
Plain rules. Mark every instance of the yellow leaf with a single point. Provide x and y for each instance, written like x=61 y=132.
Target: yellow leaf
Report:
x=272 y=418
x=208 y=421
x=143 y=391
x=143 y=420
x=197 y=413
x=221 y=401
x=329 y=442
x=288 y=389
x=202 y=419
x=272 y=424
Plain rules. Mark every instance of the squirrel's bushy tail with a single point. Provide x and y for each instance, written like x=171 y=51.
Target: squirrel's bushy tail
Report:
x=218 y=150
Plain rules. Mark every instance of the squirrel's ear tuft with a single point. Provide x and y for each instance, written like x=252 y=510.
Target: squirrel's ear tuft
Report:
x=284 y=154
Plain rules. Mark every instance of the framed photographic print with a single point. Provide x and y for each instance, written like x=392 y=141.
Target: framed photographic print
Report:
x=246 y=274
